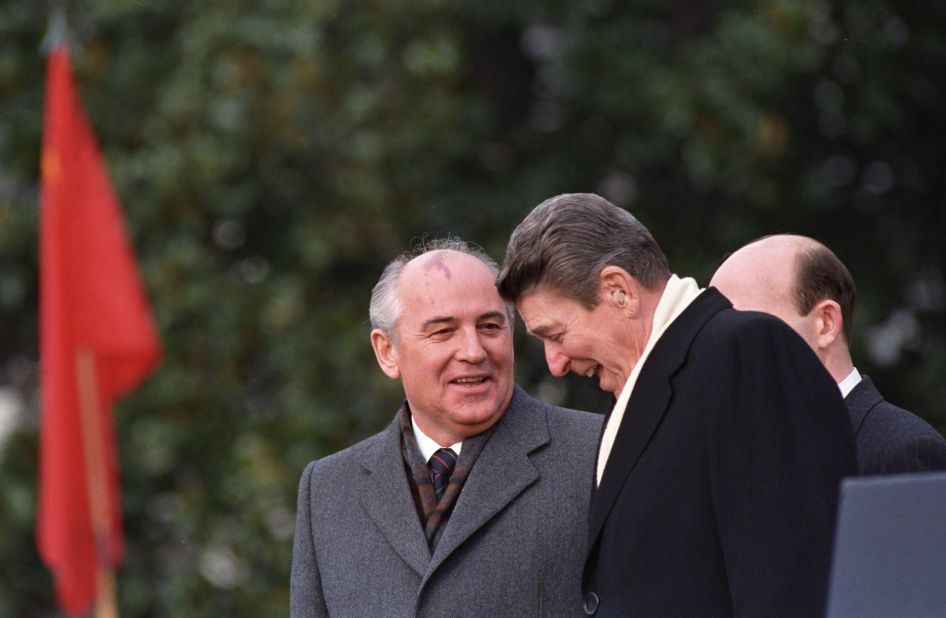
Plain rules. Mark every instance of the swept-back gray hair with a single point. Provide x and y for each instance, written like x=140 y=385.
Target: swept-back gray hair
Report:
x=385 y=308
x=566 y=241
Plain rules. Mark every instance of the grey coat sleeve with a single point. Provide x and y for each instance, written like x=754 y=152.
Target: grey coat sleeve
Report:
x=305 y=585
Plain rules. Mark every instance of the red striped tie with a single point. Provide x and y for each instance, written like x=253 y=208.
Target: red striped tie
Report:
x=441 y=466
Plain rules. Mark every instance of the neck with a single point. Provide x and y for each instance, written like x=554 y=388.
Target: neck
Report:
x=838 y=362
x=649 y=301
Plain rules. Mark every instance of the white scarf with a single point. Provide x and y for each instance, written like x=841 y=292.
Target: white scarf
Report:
x=676 y=297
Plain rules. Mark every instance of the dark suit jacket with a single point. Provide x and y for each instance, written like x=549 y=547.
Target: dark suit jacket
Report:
x=719 y=495
x=513 y=546
x=891 y=439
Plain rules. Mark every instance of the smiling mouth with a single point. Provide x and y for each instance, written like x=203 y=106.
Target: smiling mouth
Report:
x=473 y=380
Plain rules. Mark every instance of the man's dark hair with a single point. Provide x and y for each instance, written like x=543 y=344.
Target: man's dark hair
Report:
x=565 y=242
x=820 y=275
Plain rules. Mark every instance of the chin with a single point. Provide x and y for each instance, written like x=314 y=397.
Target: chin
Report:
x=478 y=411
x=610 y=385
x=473 y=425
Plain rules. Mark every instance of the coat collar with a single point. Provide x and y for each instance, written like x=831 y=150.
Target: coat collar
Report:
x=386 y=497
x=649 y=402
x=861 y=400
x=502 y=472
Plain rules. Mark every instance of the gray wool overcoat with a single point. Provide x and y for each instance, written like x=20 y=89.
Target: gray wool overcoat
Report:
x=514 y=544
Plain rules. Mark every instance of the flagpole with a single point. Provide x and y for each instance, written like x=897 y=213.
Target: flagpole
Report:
x=56 y=32
x=106 y=605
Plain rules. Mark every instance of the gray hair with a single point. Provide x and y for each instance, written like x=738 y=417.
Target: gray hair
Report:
x=385 y=308
x=565 y=242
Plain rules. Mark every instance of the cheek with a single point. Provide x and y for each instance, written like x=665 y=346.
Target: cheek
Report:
x=579 y=347
x=428 y=363
x=500 y=350
x=605 y=353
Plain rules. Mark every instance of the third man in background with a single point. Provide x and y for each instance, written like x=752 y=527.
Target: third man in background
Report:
x=801 y=281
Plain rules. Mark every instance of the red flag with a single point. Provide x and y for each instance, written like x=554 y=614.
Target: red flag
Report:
x=97 y=342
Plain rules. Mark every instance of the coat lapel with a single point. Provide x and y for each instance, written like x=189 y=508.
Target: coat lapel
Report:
x=386 y=497
x=500 y=474
x=648 y=404
x=860 y=401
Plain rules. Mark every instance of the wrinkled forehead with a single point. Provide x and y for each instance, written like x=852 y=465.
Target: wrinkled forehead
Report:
x=544 y=309
x=443 y=267
x=448 y=279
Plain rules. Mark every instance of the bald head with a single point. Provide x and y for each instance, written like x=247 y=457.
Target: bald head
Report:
x=761 y=276
x=800 y=281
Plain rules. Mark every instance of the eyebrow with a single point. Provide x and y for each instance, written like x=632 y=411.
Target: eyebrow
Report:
x=542 y=330
x=437 y=320
x=492 y=315
x=446 y=319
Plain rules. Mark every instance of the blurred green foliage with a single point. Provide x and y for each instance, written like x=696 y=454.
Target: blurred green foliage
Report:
x=273 y=156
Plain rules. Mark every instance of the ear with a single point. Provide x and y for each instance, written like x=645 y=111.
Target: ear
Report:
x=828 y=323
x=617 y=288
x=386 y=353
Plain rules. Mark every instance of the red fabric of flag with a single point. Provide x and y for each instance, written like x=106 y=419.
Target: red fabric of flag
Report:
x=96 y=331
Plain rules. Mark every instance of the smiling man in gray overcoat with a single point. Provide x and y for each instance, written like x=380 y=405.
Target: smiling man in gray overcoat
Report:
x=473 y=501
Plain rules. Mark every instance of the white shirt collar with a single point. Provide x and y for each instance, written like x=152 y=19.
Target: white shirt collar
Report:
x=427 y=445
x=847 y=384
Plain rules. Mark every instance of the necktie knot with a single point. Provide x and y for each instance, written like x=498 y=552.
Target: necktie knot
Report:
x=441 y=466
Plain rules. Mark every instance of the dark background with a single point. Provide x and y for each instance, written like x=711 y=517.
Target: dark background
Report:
x=273 y=156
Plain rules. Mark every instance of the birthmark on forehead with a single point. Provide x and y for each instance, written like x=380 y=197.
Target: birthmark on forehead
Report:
x=435 y=261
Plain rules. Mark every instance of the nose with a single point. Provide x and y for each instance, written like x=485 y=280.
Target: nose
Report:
x=557 y=362
x=471 y=348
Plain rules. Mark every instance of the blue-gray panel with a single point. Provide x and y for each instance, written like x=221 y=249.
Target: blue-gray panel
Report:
x=890 y=548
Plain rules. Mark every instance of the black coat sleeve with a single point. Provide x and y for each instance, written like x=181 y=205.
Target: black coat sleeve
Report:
x=779 y=444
